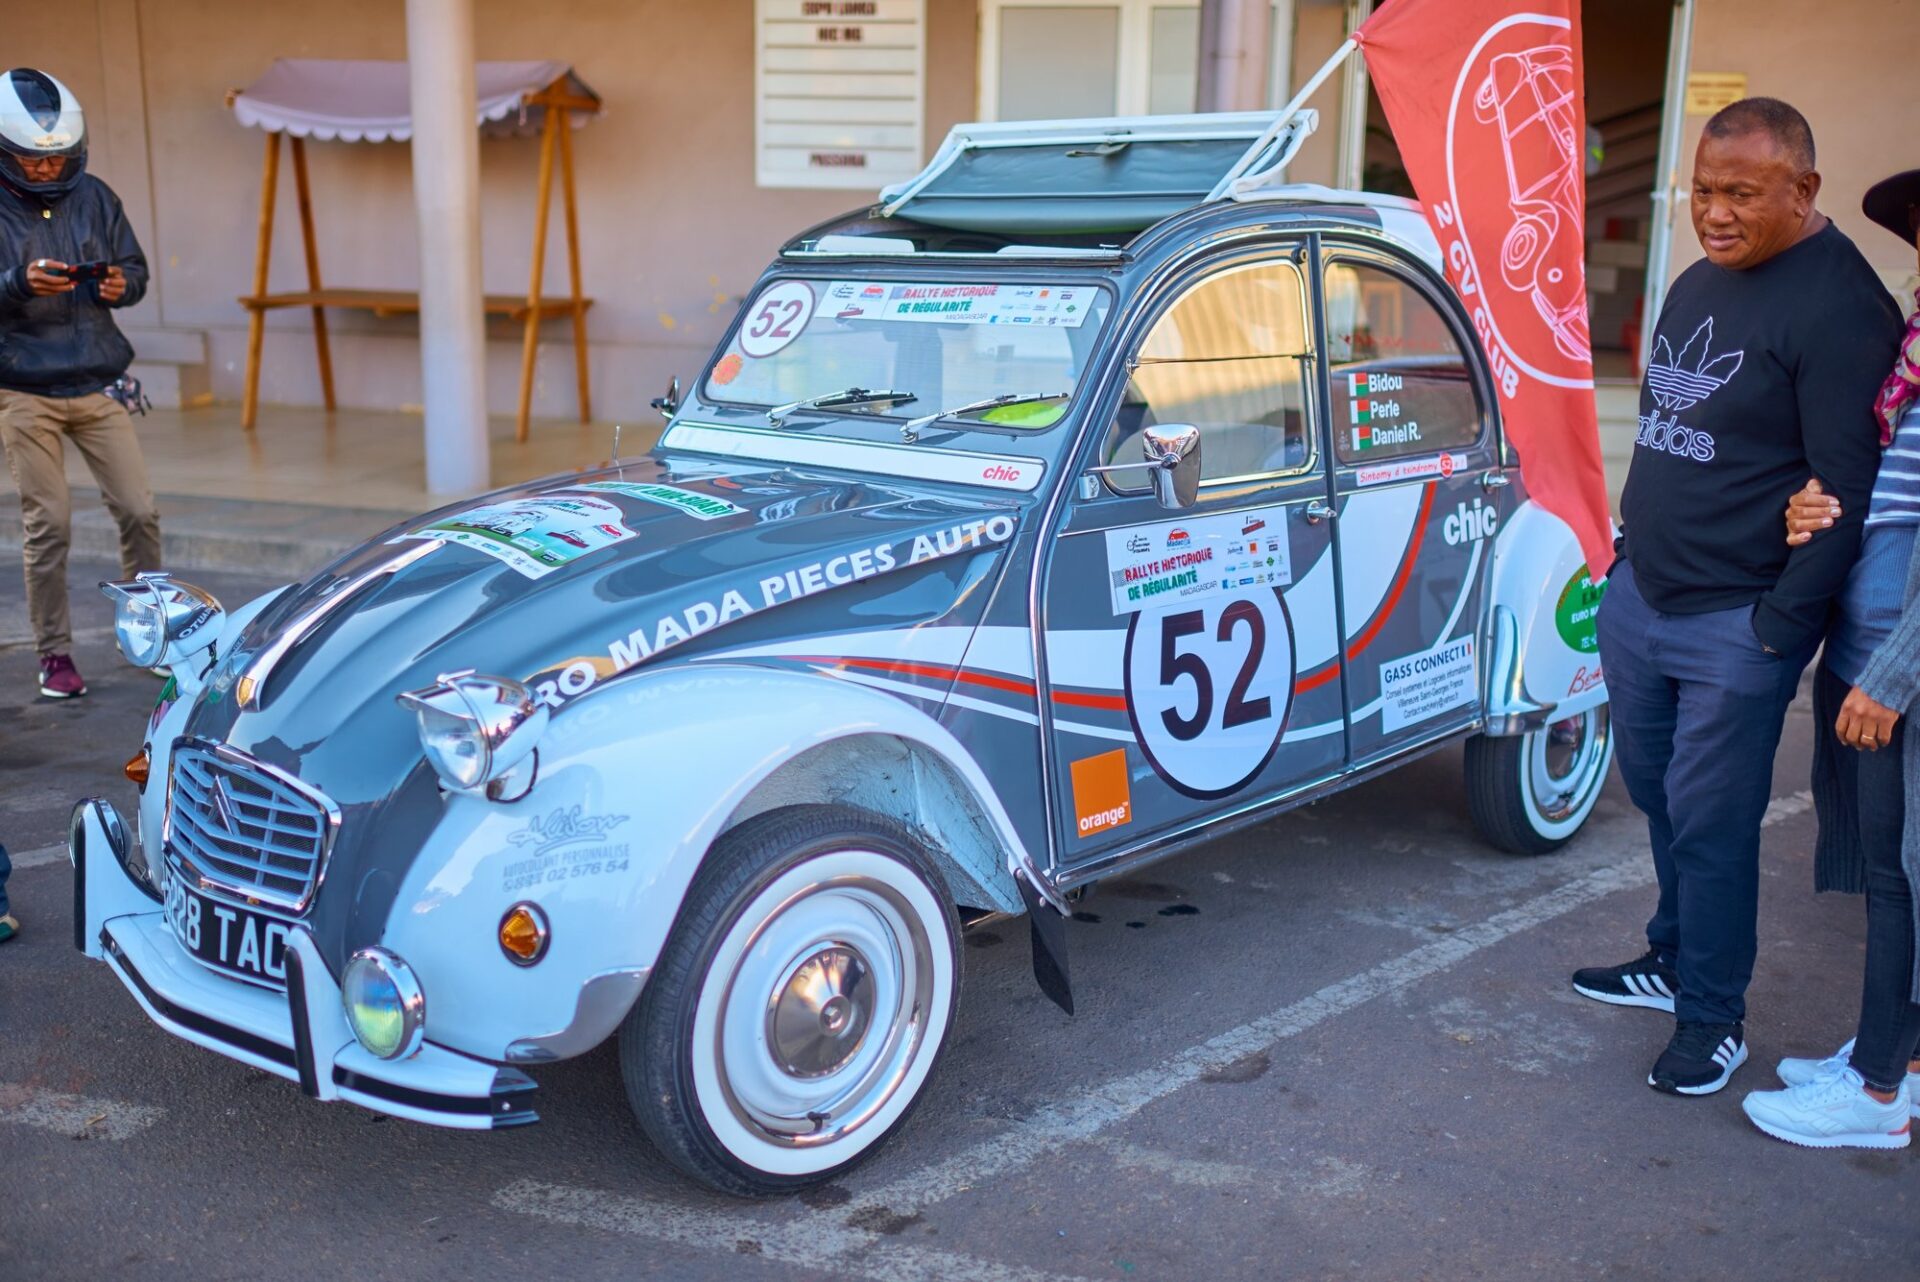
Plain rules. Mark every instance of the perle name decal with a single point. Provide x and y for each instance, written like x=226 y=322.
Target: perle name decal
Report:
x=580 y=675
x=563 y=827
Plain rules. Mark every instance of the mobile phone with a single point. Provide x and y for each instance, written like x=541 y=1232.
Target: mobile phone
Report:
x=86 y=271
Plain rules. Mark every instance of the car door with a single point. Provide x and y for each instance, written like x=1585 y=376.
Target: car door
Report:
x=1182 y=648
x=1416 y=470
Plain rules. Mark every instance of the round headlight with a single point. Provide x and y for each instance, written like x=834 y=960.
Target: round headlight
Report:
x=474 y=729
x=141 y=631
x=385 y=1007
x=158 y=622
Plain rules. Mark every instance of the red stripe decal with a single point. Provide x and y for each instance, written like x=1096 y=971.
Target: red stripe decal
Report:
x=1321 y=676
x=1110 y=702
x=931 y=671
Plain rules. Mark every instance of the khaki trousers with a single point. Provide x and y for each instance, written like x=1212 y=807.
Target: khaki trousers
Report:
x=33 y=429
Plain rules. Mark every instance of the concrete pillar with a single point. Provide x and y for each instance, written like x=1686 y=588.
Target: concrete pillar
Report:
x=1350 y=168
x=1234 y=52
x=446 y=198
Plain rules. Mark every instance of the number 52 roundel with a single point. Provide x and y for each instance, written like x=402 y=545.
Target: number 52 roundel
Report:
x=1209 y=686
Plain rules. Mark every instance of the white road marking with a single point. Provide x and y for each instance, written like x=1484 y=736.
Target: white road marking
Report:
x=35 y=858
x=75 y=1116
x=1181 y=1170
x=1099 y=1106
x=819 y=1242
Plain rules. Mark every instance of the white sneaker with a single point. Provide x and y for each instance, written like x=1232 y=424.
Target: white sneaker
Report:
x=1795 y=1071
x=1834 y=1111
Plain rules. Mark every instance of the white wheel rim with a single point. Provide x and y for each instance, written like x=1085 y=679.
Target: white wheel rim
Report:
x=1562 y=769
x=822 y=1011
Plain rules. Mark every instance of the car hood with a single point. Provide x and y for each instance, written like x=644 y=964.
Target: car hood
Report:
x=564 y=583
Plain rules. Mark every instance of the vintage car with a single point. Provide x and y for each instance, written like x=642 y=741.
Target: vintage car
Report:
x=1089 y=497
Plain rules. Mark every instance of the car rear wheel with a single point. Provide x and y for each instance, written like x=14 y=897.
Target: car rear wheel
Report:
x=800 y=1003
x=1529 y=794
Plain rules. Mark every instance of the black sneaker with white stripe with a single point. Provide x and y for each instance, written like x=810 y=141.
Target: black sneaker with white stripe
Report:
x=1645 y=981
x=1699 y=1059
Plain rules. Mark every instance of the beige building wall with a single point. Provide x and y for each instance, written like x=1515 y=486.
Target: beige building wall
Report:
x=1848 y=66
x=673 y=230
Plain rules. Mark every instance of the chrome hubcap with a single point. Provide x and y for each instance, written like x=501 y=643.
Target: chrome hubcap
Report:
x=825 y=1010
x=1565 y=763
x=820 y=1016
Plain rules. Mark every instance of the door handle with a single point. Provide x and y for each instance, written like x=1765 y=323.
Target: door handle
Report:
x=1495 y=479
x=1320 y=510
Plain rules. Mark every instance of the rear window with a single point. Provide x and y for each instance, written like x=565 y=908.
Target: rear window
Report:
x=1402 y=383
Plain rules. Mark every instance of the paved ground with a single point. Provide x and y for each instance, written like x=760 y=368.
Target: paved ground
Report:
x=1338 y=1046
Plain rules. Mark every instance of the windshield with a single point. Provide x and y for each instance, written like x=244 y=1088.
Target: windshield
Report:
x=944 y=344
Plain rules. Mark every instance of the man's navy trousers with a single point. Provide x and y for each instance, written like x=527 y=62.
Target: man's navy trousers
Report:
x=1697 y=707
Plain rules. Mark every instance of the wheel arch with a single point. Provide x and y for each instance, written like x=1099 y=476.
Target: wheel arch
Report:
x=912 y=783
x=1535 y=672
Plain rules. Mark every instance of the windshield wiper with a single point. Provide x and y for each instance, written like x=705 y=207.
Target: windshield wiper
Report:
x=911 y=431
x=845 y=397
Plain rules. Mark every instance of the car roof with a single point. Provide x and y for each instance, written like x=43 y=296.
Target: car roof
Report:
x=1099 y=189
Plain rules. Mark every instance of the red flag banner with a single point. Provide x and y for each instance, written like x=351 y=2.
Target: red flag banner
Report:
x=1486 y=101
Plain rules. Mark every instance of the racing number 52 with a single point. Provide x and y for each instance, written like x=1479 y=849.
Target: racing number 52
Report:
x=1174 y=664
x=767 y=324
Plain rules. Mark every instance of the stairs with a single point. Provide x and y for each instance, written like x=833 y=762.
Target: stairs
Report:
x=171 y=365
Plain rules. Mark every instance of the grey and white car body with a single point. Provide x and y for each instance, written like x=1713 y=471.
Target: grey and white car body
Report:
x=717 y=750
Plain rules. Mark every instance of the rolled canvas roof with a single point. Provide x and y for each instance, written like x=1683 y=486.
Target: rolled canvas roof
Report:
x=366 y=100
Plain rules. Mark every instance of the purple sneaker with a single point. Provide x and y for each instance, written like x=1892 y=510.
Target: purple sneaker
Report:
x=59 y=679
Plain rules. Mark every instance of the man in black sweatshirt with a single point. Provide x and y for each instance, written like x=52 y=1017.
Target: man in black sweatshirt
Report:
x=1765 y=365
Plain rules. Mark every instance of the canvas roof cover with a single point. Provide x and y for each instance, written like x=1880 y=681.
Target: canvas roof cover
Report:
x=368 y=100
x=1068 y=176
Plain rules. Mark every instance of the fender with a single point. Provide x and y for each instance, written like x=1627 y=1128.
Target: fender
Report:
x=624 y=808
x=1546 y=661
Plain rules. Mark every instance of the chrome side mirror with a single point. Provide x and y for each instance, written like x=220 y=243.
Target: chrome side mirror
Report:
x=1173 y=452
x=670 y=403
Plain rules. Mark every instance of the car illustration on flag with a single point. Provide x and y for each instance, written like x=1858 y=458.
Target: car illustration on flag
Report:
x=1529 y=97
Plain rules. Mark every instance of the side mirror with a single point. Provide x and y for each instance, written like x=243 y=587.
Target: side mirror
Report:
x=1173 y=452
x=669 y=403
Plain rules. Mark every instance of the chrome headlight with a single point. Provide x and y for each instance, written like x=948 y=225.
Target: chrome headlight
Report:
x=385 y=1006
x=475 y=729
x=159 y=622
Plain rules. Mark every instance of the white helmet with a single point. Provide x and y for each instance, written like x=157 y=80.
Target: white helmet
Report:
x=40 y=117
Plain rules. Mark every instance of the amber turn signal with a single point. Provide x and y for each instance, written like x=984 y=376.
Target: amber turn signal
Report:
x=523 y=934
x=137 y=766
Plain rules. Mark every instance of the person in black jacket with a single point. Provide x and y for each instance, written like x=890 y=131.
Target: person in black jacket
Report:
x=67 y=259
x=1765 y=366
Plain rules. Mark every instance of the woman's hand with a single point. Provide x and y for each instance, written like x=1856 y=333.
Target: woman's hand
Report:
x=1809 y=512
x=1864 y=723
x=113 y=287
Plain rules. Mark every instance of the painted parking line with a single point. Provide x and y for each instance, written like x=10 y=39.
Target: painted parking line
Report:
x=1099 y=1106
x=35 y=858
x=79 y=1117
x=817 y=1244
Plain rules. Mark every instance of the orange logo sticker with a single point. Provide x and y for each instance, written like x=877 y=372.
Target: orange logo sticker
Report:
x=1101 y=797
x=727 y=369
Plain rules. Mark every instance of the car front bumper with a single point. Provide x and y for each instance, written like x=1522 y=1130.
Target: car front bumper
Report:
x=300 y=1034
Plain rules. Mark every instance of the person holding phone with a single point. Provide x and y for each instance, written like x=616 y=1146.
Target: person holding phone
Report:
x=68 y=259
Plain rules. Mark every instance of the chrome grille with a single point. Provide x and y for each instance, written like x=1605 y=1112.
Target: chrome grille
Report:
x=247 y=828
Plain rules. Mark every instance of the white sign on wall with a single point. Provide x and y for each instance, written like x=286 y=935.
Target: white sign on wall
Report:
x=840 y=92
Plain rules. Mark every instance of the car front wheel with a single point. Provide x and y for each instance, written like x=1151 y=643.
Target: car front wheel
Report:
x=800 y=1004
x=1530 y=793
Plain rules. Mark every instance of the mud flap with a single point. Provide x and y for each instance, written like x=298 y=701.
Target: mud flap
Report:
x=1049 y=931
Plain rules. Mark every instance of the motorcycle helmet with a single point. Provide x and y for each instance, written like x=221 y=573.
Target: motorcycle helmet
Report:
x=39 y=117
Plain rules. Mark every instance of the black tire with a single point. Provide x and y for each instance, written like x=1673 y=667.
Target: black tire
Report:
x=688 y=1100
x=1517 y=801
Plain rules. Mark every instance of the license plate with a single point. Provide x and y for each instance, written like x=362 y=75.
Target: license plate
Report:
x=227 y=936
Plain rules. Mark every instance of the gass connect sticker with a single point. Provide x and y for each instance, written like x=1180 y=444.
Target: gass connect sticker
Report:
x=533 y=536
x=702 y=507
x=1422 y=686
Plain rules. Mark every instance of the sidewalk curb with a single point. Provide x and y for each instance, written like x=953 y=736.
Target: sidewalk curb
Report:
x=268 y=538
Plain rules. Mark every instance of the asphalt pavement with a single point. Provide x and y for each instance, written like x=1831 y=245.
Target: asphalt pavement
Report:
x=1339 y=1045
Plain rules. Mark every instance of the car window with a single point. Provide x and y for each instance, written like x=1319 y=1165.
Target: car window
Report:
x=1229 y=357
x=947 y=342
x=1402 y=383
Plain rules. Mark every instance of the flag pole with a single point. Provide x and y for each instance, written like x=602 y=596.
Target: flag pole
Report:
x=1318 y=78
x=1287 y=113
